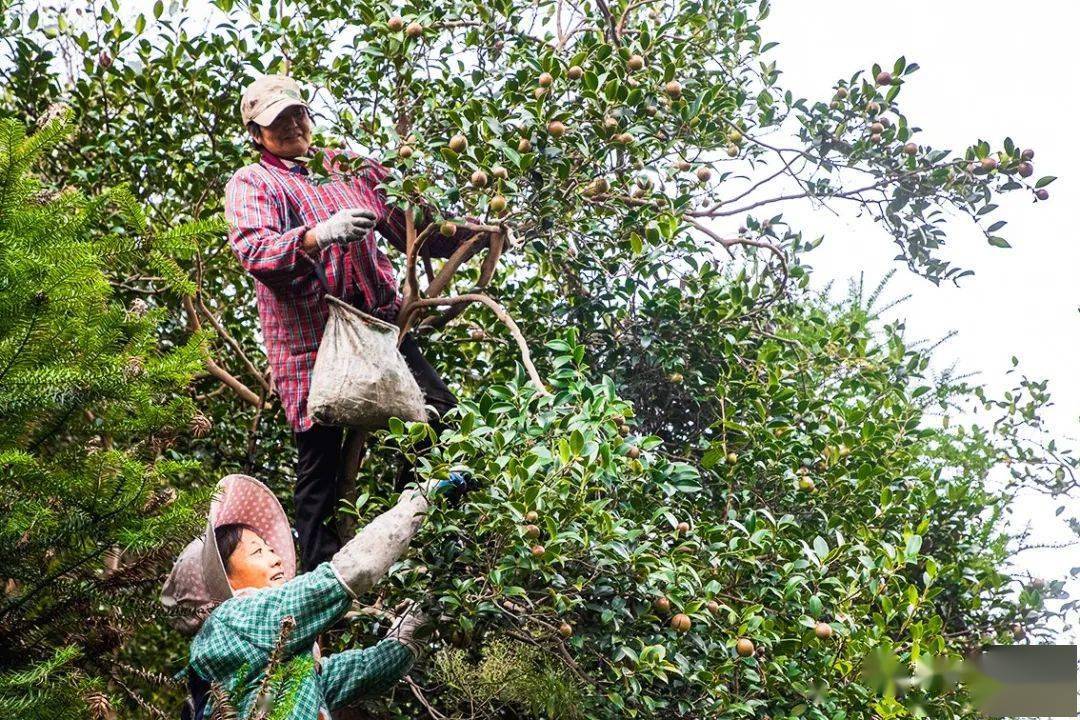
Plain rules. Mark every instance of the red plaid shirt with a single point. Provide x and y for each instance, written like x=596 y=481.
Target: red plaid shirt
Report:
x=269 y=207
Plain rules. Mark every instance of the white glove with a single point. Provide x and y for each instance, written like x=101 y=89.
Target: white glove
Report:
x=364 y=560
x=409 y=627
x=344 y=226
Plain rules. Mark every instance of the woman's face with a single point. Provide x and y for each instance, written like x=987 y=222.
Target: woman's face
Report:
x=289 y=136
x=254 y=564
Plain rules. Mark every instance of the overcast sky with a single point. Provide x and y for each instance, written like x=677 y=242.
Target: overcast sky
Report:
x=989 y=68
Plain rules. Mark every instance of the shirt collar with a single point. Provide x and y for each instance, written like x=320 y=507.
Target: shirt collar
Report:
x=274 y=161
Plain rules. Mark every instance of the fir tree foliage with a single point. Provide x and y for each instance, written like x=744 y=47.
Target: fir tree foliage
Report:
x=89 y=401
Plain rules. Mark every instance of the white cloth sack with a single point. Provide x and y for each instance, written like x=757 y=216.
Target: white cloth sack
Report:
x=360 y=378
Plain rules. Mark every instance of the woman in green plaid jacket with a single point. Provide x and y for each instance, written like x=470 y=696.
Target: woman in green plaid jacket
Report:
x=235 y=588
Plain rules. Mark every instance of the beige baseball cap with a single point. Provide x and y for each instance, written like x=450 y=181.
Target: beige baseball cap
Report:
x=264 y=99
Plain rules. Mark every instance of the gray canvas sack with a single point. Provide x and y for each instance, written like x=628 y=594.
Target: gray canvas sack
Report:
x=360 y=378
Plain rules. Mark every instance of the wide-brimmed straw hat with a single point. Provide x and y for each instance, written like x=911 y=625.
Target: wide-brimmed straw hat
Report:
x=198 y=582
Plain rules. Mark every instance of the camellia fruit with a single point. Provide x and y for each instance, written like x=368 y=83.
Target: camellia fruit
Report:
x=500 y=172
x=841 y=93
x=989 y=163
x=566 y=629
x=1025 y=169
x=877 y=128
x=405 y=152
x=1027 y=155
x=479 y=178
x=414 y=30
x=884 y=78
x=531 y=516
x=477 y=333
x=539 y=92
x=911 y=148
x=713 y=606
x=823 y=631
x=395 y=23
x=873 y=108
x=683 y=165
x=1017 y=631
x=575 y=72
x=680 y=623
x=556 y=128
x=703 y=174
x=545 y=79
x=673 y=88
x=532 y=531
x=633 y=452
x=806 y=483
x=675 y=377
x=1042 y=194
x=1038 y=583
x=662 y=604
x=537 y=551
x=524 y=145
x=733 y=150
x=732 y=458
x=682 y=528
x=447 y=229
x=497 y=204
x=734 y=135
x=635 y=63
x=875 y=138
x=458 y=143
x=744 y=647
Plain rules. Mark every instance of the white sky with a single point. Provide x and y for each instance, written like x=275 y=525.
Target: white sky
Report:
x=989 y=68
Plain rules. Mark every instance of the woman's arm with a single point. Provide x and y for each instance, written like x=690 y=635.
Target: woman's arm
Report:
x=246 y=628
x=353 y=674
x=267 y=249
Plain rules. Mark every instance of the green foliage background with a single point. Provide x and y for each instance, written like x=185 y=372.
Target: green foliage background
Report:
x=644 y=293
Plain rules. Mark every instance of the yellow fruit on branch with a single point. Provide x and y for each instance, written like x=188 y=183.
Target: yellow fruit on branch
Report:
x=744 y=647
x=458 y=143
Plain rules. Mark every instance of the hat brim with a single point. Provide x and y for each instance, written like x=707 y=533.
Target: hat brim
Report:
x=269 y=115
x=198 y=581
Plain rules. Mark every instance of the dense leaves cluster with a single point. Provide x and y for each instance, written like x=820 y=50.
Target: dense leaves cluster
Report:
x=88 y=509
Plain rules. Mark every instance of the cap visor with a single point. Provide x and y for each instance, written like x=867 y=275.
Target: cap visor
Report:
x=267 y=116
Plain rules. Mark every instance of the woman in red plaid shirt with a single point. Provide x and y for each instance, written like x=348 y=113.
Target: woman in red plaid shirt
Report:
x=300 y=239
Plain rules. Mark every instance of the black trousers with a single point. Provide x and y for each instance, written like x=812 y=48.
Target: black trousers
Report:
x=320 y=465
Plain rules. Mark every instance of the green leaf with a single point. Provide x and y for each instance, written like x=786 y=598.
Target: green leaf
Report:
x=821 y=547
x=1044 y=181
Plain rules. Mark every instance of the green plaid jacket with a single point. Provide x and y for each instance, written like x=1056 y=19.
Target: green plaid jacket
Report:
x=233 y=648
